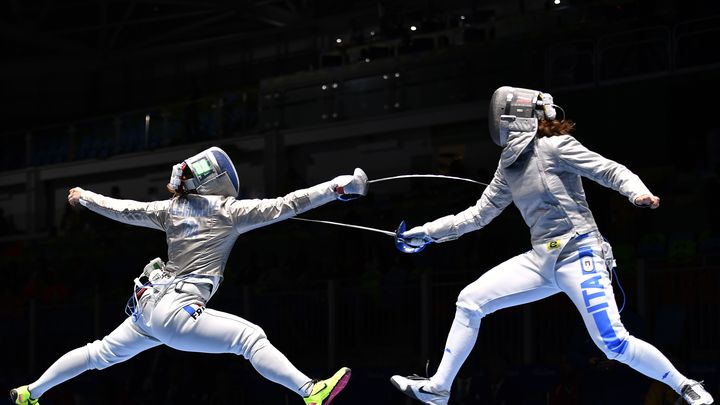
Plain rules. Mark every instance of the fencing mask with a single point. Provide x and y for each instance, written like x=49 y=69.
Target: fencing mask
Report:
x=213 y=173
x=510 y=104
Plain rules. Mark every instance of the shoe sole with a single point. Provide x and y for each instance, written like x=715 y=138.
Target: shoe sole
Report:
x=13 y=395
x=407 y=391
x=396 y=385
x=338 y=387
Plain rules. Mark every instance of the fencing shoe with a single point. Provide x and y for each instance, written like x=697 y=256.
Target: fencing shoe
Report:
x=324 y=391
x=21 y=396
x=694 y=393
x=420 y=388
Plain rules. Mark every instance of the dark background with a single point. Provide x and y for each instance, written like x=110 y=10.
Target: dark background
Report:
x=109 y=94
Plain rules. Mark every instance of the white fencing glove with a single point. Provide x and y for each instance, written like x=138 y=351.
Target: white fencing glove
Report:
x=351 y=187
x=440 y=230
x=416 y=236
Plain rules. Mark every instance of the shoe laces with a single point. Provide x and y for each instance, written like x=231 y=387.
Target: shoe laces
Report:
x=309 y=384
x=688 y=390
x=427 y=375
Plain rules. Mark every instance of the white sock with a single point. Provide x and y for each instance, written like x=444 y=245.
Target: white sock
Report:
x=66 y=367
x=273 y=365
x=648 y=360
x=460 y=342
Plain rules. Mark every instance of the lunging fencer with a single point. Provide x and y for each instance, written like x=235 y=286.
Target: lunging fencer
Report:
x=540 y=170
x=169 y=306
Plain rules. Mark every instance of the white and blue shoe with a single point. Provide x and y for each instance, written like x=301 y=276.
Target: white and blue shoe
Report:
x=421 y=389
x=694 y=393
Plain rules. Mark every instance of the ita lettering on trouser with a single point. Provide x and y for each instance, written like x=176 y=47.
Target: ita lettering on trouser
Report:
x=596 y=301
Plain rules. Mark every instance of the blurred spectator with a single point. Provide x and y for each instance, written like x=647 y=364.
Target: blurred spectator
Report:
x=54 y=289
x=115 y=192
x=499 y=387
x=7 y=226
x=567 y=390
x=73 y=220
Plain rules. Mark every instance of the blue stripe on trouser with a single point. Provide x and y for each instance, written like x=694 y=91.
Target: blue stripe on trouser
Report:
x=587 y=263
x=189 y=309
x=602 y=320
x=612 y=341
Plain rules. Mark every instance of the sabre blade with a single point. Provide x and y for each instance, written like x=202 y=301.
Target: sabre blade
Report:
x=395 y=235
x=365 y=228
x=436 y=176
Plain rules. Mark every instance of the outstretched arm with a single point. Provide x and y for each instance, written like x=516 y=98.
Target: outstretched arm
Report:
x=492 y=202
x=580 y=160
x=149 y=215
x=251 y=214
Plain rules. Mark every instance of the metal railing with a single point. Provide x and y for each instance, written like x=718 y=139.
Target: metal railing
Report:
x=366 y=321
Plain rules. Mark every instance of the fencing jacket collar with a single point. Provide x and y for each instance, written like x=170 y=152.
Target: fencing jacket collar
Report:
x=522 y=132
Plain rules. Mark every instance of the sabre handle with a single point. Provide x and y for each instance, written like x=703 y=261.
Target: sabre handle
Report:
x=402 y=243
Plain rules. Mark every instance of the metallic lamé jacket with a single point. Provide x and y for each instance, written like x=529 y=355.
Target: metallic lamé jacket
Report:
x=201 y=229
x=542 y=177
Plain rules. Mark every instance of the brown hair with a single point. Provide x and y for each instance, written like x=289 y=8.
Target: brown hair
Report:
x=178 y=193
x=554 y=127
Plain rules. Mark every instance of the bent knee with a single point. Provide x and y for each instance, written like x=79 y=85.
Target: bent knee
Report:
x=253 y=340
x=469 y=317
x=619 y=349
x=101 y=356
x=468 y=312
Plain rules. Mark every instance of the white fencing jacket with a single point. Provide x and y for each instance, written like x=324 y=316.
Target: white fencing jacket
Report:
x=201 y=229
x=542 y=176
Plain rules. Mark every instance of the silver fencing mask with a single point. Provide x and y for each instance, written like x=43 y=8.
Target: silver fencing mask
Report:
x=213 y=173
x=509 y=104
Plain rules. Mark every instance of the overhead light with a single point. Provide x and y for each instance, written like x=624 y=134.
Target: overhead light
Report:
x=324 y=87
x=556 y=2
x=372 y=33
x=414 y=28
x=367 y=60
x=338 y=40
x=397 y=74
x=462 y=17
x=335 y=85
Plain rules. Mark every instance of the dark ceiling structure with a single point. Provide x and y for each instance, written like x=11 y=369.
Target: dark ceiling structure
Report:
x=120 y=27
x=81 y=52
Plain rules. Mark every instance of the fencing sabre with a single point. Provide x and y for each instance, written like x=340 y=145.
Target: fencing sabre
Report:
x=400 y=243
x=425 y=176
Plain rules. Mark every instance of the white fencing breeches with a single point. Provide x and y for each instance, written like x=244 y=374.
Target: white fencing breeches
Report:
x=574 y=266
x=179 y=320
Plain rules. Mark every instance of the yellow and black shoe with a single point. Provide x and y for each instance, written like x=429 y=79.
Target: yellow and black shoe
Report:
x=21 y=396
x=324 y=391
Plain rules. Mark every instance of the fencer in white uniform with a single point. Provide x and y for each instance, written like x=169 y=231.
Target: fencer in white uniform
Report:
x=169 y=306
x=541 y=173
